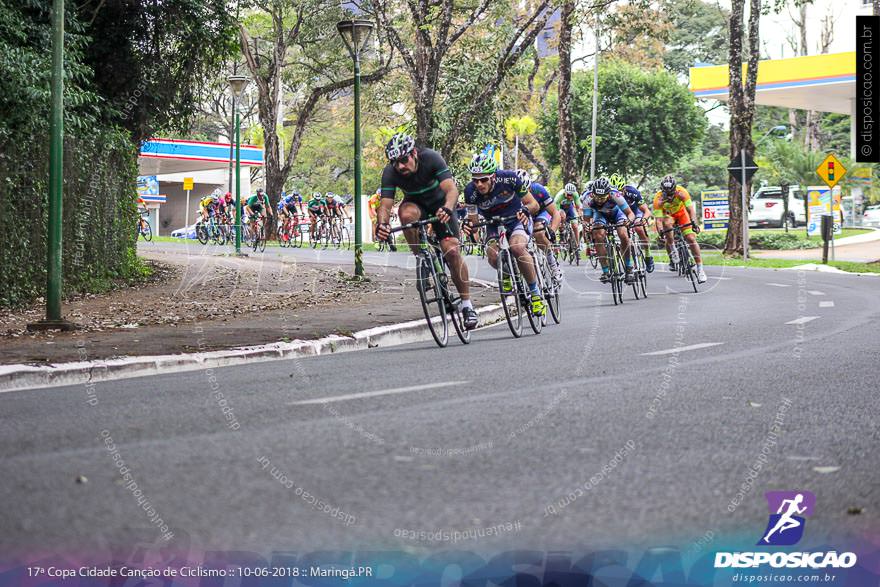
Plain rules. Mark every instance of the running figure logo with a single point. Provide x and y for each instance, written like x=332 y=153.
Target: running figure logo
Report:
x=787 y=512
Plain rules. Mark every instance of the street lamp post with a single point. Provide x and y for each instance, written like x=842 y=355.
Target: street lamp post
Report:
x=355 y=34
x=54 y=273
x=238 y=83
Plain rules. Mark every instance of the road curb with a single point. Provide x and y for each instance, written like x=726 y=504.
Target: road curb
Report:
x=17 y=377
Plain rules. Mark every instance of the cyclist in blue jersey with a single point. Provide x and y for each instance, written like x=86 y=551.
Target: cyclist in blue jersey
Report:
x=639 y=209
x=287 y=209
x=548 y=218
x=498 y=193
x=607 y=207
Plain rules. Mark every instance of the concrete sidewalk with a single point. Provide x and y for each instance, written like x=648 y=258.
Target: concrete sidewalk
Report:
x=862 y=248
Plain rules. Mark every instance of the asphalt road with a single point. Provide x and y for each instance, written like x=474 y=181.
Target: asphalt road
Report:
x=596 y=433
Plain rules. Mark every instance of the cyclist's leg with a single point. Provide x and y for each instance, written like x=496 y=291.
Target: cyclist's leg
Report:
x=492 y=246
x=410 y=212
x=664 y=223
x=518 y=238
x=448 y=235
x=599 y=227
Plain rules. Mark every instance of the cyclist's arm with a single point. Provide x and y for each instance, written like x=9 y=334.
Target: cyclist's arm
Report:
x=555 y=216
x=451 y=190
x=530 y=204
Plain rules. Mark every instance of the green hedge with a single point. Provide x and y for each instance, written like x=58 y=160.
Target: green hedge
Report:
x=100 y=166
x=761 y=240
x=98 y=221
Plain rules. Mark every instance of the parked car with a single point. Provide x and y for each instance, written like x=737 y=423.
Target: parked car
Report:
x=871 y=217
x=185 y=232
x=767 y=208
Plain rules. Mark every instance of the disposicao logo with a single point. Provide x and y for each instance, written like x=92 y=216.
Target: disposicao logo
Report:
x=785 y=527
x=787 y=511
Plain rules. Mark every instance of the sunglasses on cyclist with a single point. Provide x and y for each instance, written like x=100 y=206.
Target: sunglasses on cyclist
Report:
x=402 y=160
x=477 y=180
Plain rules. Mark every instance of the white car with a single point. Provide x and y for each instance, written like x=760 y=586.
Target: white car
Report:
x=188 y=232
x=871 y=217
x=768 y=209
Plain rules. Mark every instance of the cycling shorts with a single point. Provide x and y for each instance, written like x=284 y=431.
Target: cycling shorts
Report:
x=570 y=212
x=441 y=230
x=512 y=227
x=681 y=218
x=544 y=216
x=602 y=218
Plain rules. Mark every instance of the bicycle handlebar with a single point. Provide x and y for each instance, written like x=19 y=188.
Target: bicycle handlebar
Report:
x=416 y=224
x=495 y=221
x=682 y=226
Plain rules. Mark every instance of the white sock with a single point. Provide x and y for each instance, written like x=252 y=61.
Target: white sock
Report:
x=466 y=304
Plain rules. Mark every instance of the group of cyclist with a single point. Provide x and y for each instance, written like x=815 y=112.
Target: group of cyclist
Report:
x=525 y=209
x=290 y=207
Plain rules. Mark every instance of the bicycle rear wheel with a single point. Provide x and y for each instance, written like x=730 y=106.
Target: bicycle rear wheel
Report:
x=510 y=297
x=637 y=267
x=551 y=291
x=433 y=304
x=642 y=275
x=616 y=275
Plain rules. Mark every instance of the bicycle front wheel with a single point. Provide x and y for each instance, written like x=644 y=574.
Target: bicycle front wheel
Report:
x=202 y=234
x=147 y=231
x=510 y=296
x=433 y=304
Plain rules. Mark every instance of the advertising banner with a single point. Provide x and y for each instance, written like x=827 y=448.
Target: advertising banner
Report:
x=716 y=209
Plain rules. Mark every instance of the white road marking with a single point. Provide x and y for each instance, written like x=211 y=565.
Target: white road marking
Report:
x=815 y=292
x=803 y=320
x=779 y=284
x=342 y=398
x=692 y=347
x=721 y=278
x=827 y=304
x=826 y=470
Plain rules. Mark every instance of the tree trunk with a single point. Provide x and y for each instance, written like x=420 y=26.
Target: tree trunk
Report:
x=533 y=159
x=742 y=111
x=566 y=128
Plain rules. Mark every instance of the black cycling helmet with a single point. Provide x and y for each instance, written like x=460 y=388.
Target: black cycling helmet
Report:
x=668 y=185
x=400 y=144
x=601 y=187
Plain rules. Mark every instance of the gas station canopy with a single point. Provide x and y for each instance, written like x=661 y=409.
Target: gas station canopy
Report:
x=165 y=156
x=824 y=83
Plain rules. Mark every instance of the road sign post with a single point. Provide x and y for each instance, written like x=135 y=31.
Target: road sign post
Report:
x=188 y=186
x=742 y=168
x=831 y=170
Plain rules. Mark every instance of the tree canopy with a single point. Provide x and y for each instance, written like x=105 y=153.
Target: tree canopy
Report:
x=647 y=121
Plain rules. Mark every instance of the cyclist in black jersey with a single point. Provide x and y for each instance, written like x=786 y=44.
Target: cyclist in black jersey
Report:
x=429 y=190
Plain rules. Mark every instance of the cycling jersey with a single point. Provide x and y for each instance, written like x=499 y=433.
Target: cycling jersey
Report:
x=374 y=202
x=504 y=199
x=287 y=203
x=634 y=199
x=611 y=211
x=422 y=188
x=316 y=206
x=677 y=208
x=256 y=203
x=562 y=199
x=567 y=204
x=544 y=199
x=679 y=202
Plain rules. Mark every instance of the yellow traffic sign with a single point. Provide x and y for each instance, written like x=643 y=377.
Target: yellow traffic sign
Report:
x=831 y=170
x=187 y=183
